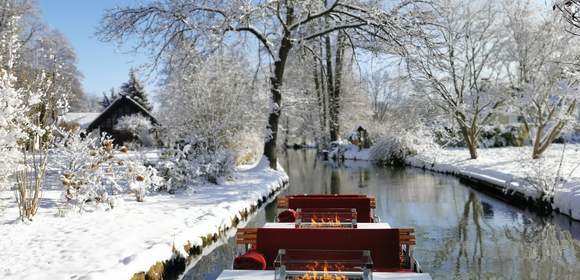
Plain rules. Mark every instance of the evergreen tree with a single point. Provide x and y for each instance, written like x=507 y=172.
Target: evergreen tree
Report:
x=108 y=100
x=135 y=90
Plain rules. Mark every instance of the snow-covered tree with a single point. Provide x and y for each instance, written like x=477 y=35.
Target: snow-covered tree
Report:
x=278 y=27
x=210 y=106
x=108 y=100
x=570 y=10
x=11 y=103
x=211 y=101
x=135 y=90
x=34 y=93
x=50 y=54
x=539 y=61
x=454 y=63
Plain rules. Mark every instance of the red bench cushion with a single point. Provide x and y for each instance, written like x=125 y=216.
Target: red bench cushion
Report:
x=287 y=216
x=251 y=260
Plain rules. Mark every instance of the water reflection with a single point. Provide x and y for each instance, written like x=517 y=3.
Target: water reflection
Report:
x=461 y=234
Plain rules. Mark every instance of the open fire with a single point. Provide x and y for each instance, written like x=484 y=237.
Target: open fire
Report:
x=324 y=272
x=325 y=222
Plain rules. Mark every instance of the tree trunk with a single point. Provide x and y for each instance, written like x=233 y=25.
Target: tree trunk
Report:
x=276 y=96
x=472 y=150
x=338 y=65
x=287 y=132
x=536 y=154
x=541 y=146
x=470 y=140
x=320 y=96
x=330 y=88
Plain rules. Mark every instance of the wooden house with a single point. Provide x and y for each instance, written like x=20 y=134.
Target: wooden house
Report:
x=360 y=137
x=122 y=106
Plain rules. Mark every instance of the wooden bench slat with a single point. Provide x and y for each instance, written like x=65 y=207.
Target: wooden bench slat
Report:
x=247 y=230
x=282 y=202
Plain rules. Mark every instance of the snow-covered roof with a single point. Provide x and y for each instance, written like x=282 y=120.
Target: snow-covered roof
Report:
x=83 y=119
x=115 y=104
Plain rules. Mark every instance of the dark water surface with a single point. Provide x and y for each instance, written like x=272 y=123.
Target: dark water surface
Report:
x=461 y=233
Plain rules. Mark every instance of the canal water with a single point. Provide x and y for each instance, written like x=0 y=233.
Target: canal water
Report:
x=461 y=233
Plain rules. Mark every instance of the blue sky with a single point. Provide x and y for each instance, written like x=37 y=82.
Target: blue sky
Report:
x=102 y=64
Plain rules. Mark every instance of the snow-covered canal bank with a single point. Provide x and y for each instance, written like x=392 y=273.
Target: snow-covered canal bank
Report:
x=133 y=236
x=461 y=233
x=508 y=172
x=512 y=169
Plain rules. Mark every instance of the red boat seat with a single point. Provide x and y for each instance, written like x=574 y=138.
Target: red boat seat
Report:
x=283 y=201
x=362 y=204
x=383 y=244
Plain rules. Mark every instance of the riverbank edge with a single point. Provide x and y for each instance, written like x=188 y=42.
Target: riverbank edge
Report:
x=178 y=264
x=510 y=196
x=486 y=184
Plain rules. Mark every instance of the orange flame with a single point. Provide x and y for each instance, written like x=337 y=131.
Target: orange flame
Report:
x=325 y=222
x=314 y=273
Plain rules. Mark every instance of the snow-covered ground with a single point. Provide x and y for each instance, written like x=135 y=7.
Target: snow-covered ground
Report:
x=504 y=167
x=132 y=237
x=349 y=151
x=508 y=167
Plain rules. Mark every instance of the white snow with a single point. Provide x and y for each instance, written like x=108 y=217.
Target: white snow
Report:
x=132 y=237
x=83 y=119
x=350 y=151
x=504 y=167
x=508 y=166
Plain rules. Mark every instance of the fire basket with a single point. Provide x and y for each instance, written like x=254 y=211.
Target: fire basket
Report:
x=323 y=265
x=326 y=218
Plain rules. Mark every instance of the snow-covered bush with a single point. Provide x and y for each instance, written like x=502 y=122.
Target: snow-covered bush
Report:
x=193 y=164
x=392 y=150
x=248 y=147
x=395 y=148
x=543 y=177
x=89 y=170
x=139 y=126
x=143 y=179
x=500 y=136
x=74 y=157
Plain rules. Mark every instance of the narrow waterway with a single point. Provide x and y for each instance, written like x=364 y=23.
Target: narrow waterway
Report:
x=461 y=233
